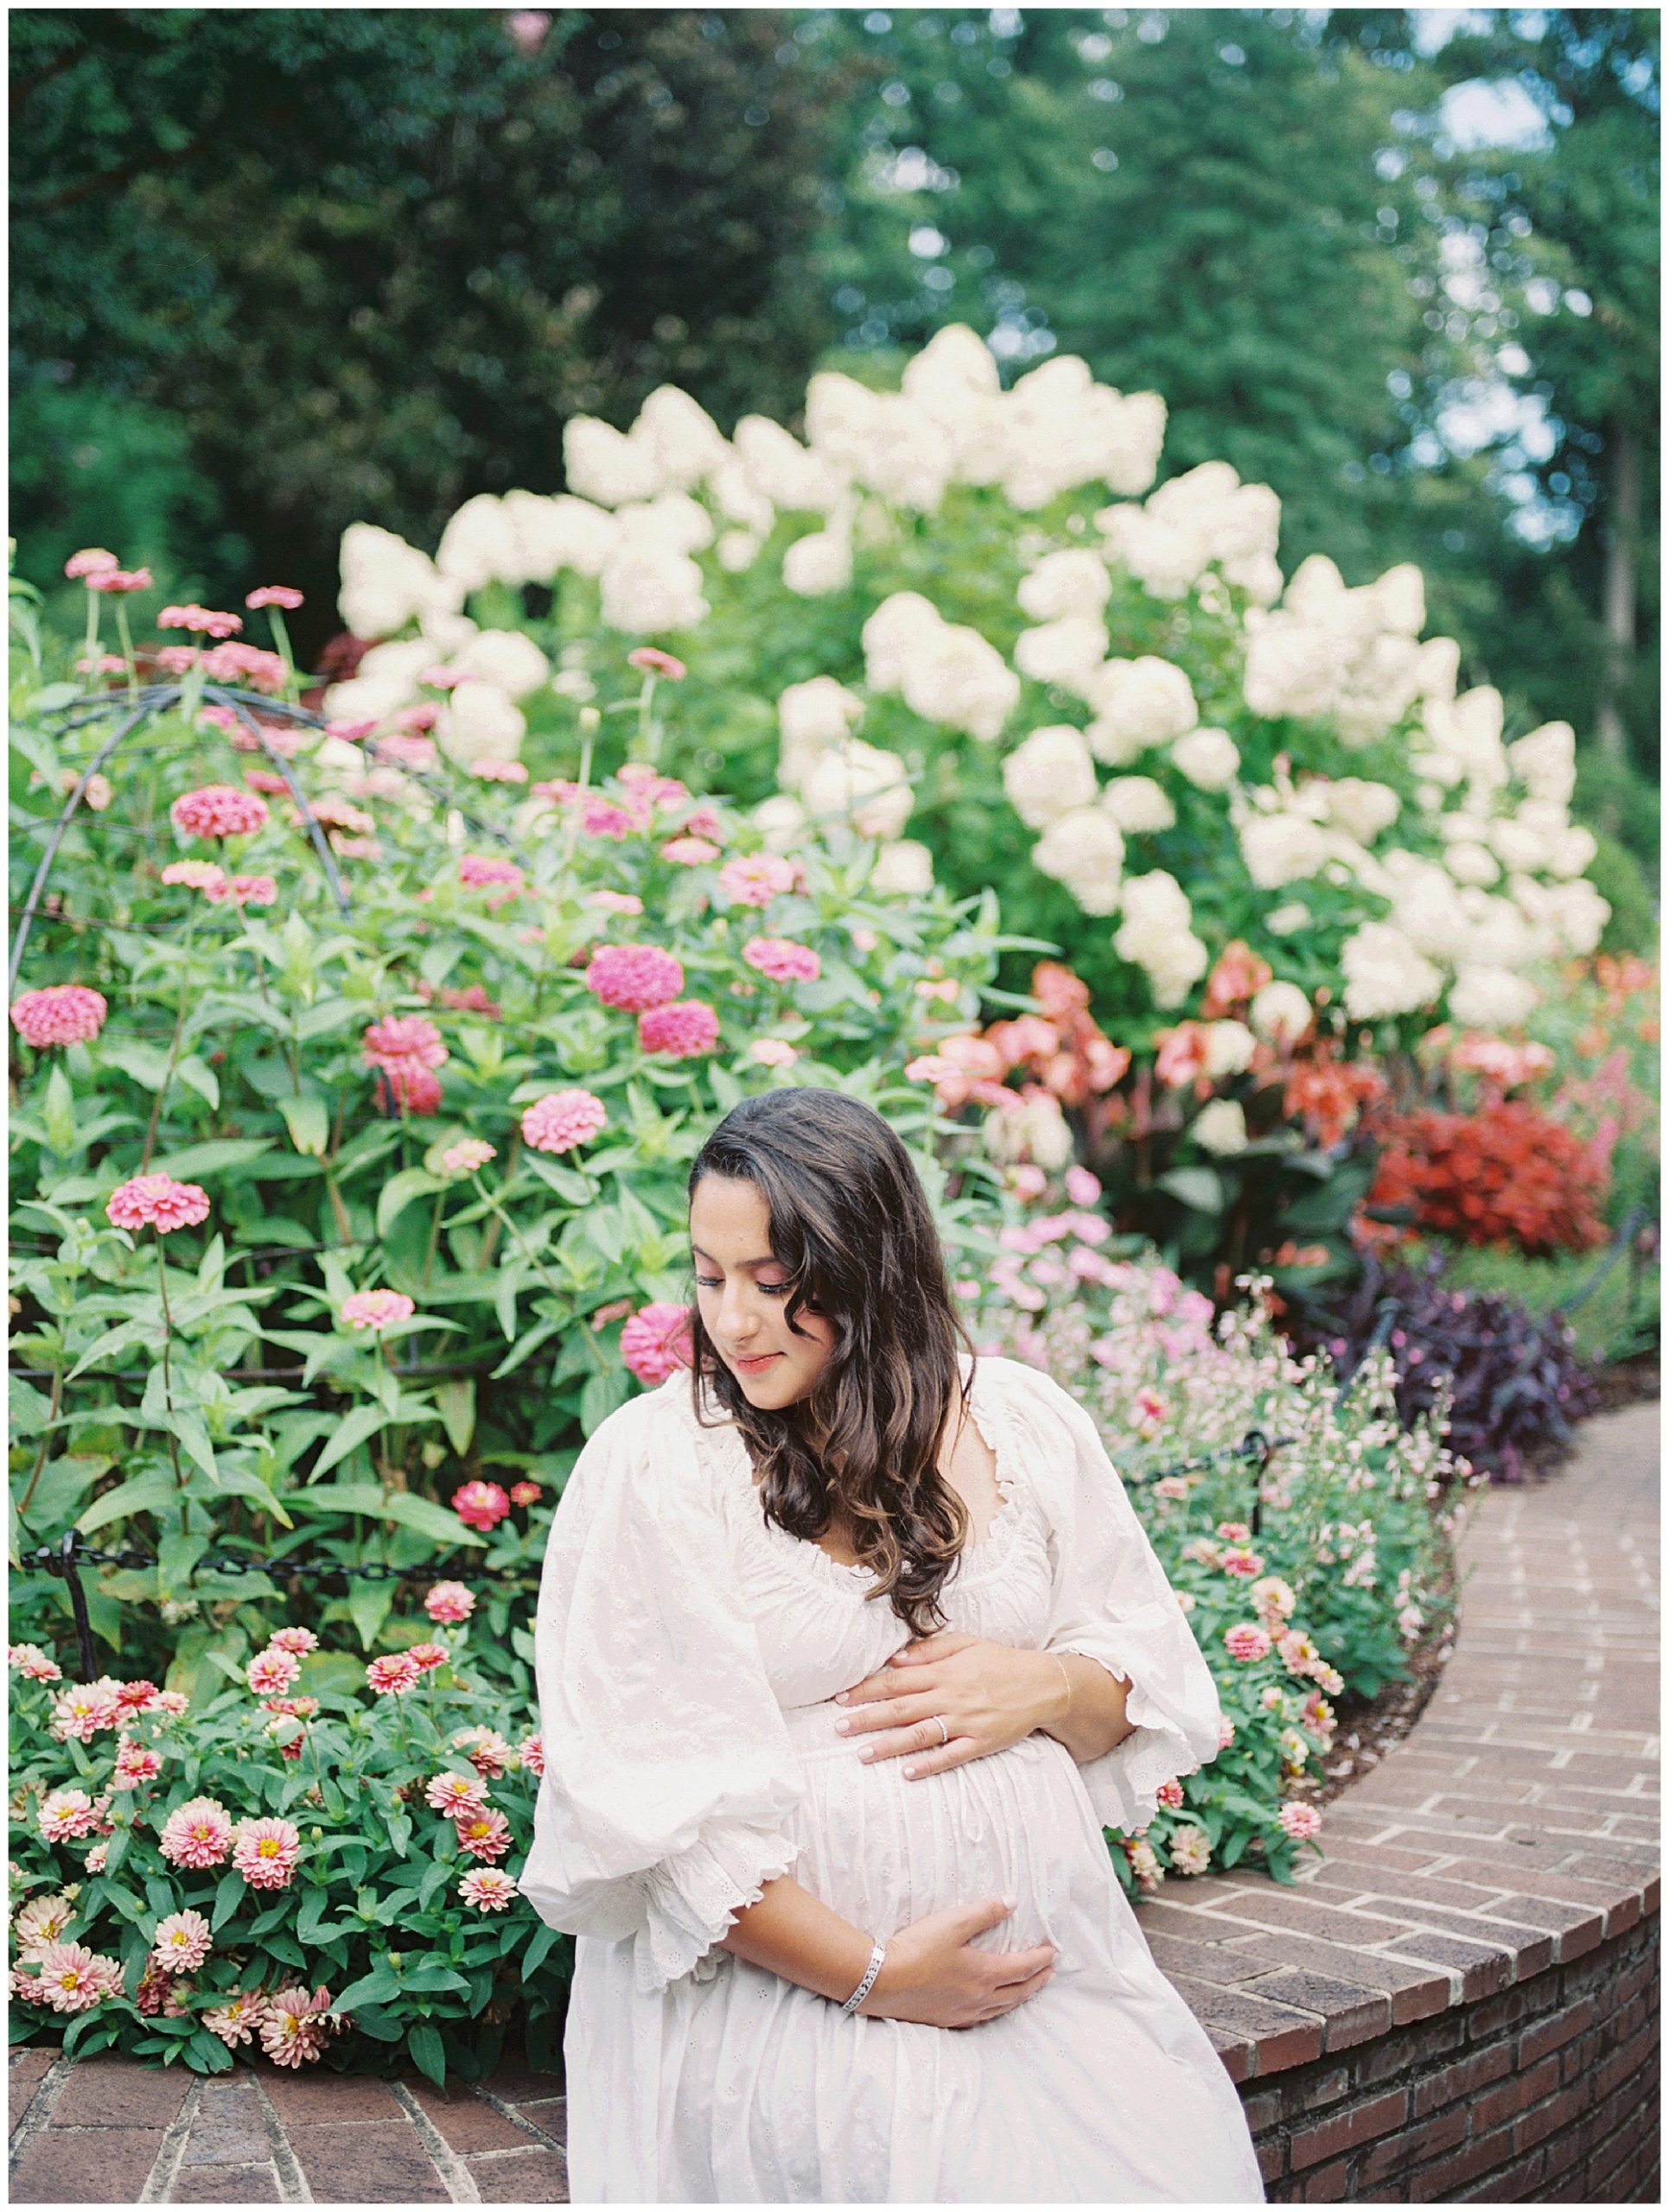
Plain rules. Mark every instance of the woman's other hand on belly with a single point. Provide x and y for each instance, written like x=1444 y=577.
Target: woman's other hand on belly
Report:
x=989 y=1697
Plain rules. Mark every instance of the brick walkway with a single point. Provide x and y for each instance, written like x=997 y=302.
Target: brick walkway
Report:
x=1514 y=1830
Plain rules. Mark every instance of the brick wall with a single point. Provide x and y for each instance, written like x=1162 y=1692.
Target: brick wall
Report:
x=1546 y=2093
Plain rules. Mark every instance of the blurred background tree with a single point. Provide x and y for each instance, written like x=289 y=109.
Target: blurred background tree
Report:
x=277 y=272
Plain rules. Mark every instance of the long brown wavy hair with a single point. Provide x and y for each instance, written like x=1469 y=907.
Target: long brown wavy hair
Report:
x=850 y=1225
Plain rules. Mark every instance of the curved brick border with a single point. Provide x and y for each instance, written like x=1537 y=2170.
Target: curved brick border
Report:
x=1460 y=2001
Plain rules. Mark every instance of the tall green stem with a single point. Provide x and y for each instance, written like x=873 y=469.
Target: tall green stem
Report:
x=173 y=1046
x=167 y=1378
x=126 y=636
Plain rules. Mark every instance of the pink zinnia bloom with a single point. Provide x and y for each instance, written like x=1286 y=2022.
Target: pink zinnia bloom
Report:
x=136 y=1697
x=237 y=663
x=90 y=560
x=120 y=581
x=600 y=818
x=773 y=1053
x=1246 y=1564
x=655 y=1343
x=563 y=1119
x=403 y=1041
x=41 y=1922
x=782 y=960
x=173 y=1703
x=615 y=902
x=480 y=1505
x=265 y=780
x=1082 y=1188
x=689 y=852
x=679 y=1031
x=633 y=977
x=407 y=750
x=484 y=1835
x=487 y=1889
x=73 y=1979
x=653 y=662
x=67 y=1815
x=210 y=621
x=1169 y=1795
x=197 y=1833
x=270 y=1672
x=274 y=596
x=499 y=771
x=755 y=879
x=467 y=1155
x=297 y=1640
x=181 y=1943
x=408 y=1087
x=458 y=1795
x=486 y=1750
x=393 y=1676
x=265 y=1853
x=1246 y=1641
x=448 y=1601
x=425 y=1656
x=33 y=1664
x=704 y=823
x=196 y=875
x=1300 y=1820
x=157 y=1201
x=1225 y=1734
x=59 y=1014
x=82 y=1710
x=135 y=1763
x=293 y=1709
x=218 y=810
x=244 y=890
x=526 y=1493
x=238 y=2019
x=530 y=1752
x=294 y=2025
x=502 y=879
x=376 y=1309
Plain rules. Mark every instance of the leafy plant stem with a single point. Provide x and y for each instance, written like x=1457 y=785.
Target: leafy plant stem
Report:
x=168 y=1377
x=490 y=1242
x=499 y=1215
x=173 y=1046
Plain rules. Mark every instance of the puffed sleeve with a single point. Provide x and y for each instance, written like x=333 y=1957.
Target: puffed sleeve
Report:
x=1111 y=1600
x=669 y=1774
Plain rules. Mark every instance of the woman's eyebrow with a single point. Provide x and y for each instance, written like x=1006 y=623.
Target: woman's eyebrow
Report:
x=769 y=1261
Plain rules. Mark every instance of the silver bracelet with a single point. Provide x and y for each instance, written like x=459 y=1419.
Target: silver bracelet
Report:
x=868 y=1982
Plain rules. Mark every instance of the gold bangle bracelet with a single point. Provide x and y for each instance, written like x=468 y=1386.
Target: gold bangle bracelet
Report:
x=1066 y=1679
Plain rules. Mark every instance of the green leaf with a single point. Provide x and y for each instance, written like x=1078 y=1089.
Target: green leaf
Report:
x=212 y=1159
x=424 y=2045
x=399 y=1191
x=456 y=1401
x=359 y=1426
x=228 y=1896
x=197 y=1076
x=308 y=1119
x=146 y=1064
x=368 y=1605
x=1199 y=1188
x=382 y=1985
x=603 y=1394
x=60 y=1114
x=144 y=1493
x=532 y=1955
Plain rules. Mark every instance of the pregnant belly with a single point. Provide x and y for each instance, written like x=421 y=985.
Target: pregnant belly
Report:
x=883 y=1851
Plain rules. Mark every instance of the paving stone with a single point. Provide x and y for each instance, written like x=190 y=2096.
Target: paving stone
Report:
x=85 y=2165
x=549 y=2115
x=368 y=2162
x=319 y=2099
x=532 y=2177
x=28 y=2069
x=466 y=2124
x=225 y=2185
x=228 y=2128
x=120 y=2092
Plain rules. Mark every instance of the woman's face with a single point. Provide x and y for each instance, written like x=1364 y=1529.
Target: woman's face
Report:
x=742 y=1291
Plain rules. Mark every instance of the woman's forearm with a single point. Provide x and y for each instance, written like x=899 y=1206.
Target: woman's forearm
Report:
x=1092 y=1721
x=795 y=1934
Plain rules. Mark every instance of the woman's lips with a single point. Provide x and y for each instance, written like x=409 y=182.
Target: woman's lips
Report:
x=752 y=1366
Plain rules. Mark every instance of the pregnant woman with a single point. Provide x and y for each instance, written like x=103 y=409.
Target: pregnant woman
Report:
x=848 y=1647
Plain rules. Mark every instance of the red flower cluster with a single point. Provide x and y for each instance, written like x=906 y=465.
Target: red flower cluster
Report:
x=1327 y=1095
x=1509 y=1174
x=1063 y=1047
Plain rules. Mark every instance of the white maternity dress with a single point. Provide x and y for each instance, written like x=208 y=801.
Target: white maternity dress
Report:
x=688 y=1654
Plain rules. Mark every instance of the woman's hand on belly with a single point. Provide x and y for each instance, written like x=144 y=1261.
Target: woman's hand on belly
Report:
x=988 y=1696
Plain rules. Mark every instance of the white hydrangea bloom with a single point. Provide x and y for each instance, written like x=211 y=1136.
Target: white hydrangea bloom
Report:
x=1438 y=670
x=811 y=717
x=1283 y=847
x=947 y=672
x=1545 y=762
x=446 y=634
x=954 y=382
x=1137 y=704
x=884 y=440
x=1204 y=516
x=1072 y=582
x=785 y=472
x=681 y=436
x=557 y=533
x=781 y=820
x=385 y=583
x=1360 y=808
x=1491 y=998
x=899 y=628
x=1156 y=935
x=1423 y=904
x=1069 y=652
x=869 y=786
x=647 y=589
x=605 y=465
x=480 y=545
x=739 y=500
x=1083 y=849
x=1049 y=773
x=1385 y=974
x=819 y=563
x=1058 y=428
x=1139 y=805
x=1036 y=1130
x=507 y=658
x=1281 y=1013
x=1288 y=919
x=1229 y=1048
x=1574 y=852
x=738 y=550
x=1518 y=844
x=1469 y=862
x=1220 y=1127
x=1578 y=915
x=1208 y=758
x=904 y=866
x=386 y=678
x=672 y=522
x=480 y=722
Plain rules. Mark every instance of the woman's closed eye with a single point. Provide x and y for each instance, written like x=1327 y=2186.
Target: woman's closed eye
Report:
x=771 y=1289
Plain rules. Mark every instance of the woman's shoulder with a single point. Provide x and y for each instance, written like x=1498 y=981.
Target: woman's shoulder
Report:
x=659 y=1429
x=1013 y=1383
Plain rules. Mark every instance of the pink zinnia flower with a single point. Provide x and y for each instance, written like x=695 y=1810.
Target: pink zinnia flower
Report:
x=524 y=1493
x=615 y=902
x=679 y=1031
x=270 y=1672
x=173 y=1703
x=120 y=581
x=487 y=1889
x=689 y=852
x=238 y=2019
x=73 y=1979
x=1082 y=1188
x=773 y=1053
x=655 y=1343
x=181 y=1943
x=448 y=1601
x=1238 y=1561
x=265 y=1854
x=196 y=875
x=479 y=871
x=782 y=960
x=297 y=1640
x=486 y=1750
x=480 y=1505
x=41 y=1922
x=244 y=890
x=294 y=2025
x=33 y=1664
x=157 y=1201
x=755 y=879
x=530 y=1752
x=499 y=771
x=458 y=1795
x=135 y=1763
x=563 y=1119
x=653 y=662
x=408 y=1088
x=393 y=1676
x=82 y=1710
x=59 y=1014
x=484 y=1835
x=600 y=818
x=90 y=560
x=1300 y=1820
x=274 y=596
x=633 y=977
x=1248 y=1642
x=1225 y=1734
x=136 y=1697
x=406 y=749
x=67 y=1815
x=197 y=1833
x=704 y=823
x=376 y=1309
x=403 y=1041
x=1169 y=1795
x=210 y=621
x=425 y=1656
x=293 y=1708
x=218 y=810
x=467 y=1155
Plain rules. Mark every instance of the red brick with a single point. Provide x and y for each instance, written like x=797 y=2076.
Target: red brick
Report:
x=1262 y=2109
x=530 y=2176
x=1515 y=2095
x=1327 y=2184
x=1352 y=2014
x=1553 y=2033
x=1463 y=2080
x=110 y=2092
x=330 y=2100
x=1482 y=2155
x=1551 y=2117
x=1235 y=2052
x=1272 y=2160
x=1510 y=2184
x=85 y=2165
x=1343 y=2131
x=224 y=2185
x=1311 y=2087
x=466 y=2125
x=1409 y=2146
x=28 y=2069
x=1279 y=2037
x=368 y=2162
x=1481 y=1970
